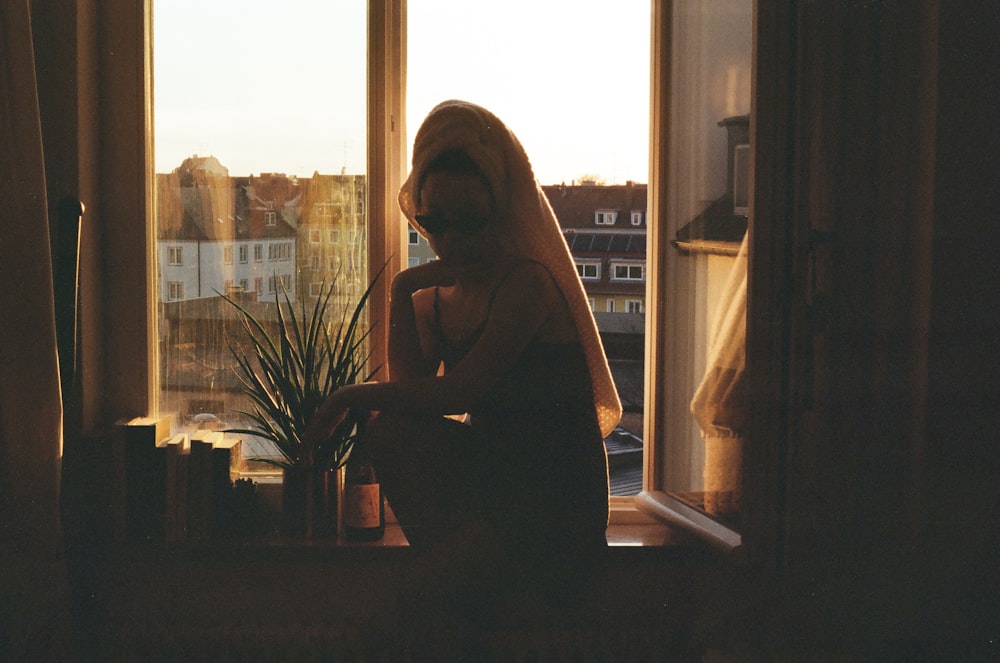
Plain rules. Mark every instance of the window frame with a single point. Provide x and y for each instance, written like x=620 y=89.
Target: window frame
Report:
x=628 y=265
x=581 y=268
x=128 y=375
x=605 y=217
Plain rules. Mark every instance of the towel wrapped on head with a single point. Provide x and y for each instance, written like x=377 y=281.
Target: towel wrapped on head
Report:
x=529 y=227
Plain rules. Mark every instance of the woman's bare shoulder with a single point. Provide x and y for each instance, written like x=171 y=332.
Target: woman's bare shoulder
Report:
x=531 y=279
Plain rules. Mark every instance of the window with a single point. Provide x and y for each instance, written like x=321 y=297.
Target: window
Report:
x=628 y=272
x=175 y=255
x=638 y=217
x=567 y=136
x=686 y=287
x=263 y=185
x=605 y=217
x=414 y=237
x=634 y=306
x=279 y=283
x=279 y=252
x=672 y=204
x=609 y=306
x=589 y=270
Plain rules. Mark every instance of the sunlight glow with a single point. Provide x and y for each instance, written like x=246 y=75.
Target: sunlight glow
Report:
x=280 y=87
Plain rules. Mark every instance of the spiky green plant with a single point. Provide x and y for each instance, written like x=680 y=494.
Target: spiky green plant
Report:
x=288 y=373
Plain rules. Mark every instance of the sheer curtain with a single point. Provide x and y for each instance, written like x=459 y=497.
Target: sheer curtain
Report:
x=720 y=402
x=34 y=607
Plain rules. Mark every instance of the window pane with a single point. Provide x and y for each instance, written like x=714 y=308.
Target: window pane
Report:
x=582 y=115
x=260 y=172
x=706 y=211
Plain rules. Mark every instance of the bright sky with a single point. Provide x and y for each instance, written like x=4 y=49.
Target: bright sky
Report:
x=280 y=87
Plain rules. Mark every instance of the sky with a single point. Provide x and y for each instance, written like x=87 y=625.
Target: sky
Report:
x=280 y=87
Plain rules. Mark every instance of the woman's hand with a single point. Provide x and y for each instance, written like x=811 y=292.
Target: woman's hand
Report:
x=330 y=414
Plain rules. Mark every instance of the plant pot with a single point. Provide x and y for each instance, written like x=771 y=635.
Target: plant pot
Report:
x=310 y=503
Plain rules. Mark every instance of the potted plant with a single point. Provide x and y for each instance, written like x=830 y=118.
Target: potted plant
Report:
x=287 y=369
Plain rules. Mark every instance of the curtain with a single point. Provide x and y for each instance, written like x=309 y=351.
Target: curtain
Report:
x=720 y=402
x=34 y=607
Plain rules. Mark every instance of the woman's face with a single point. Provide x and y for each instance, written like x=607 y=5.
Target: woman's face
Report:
x=457 y=212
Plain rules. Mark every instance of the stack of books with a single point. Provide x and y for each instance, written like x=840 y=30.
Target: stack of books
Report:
x=171 y=488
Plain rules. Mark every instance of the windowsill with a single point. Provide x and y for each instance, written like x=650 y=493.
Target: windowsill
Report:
x=648 y=520
x=672 y=511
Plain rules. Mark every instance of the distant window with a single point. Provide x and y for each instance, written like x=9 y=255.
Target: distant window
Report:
x=314 y=263
x=175 y=255
x=244 y=253
x=334 y=237
x=638 y=217
x=628 y=272
x=227 y=255
x=258 y=253
x=258 y=285
x=270 y=218
x=315 y=289
x=243 y=285
x=610 y=306
x=605 y=217
x=279 y=283
x=314 y=236
x=279 y=251
x=592 y=302
x=633 y=306
x=414 y=237
x=175 y=290
x=412 y=262
x=590 y=271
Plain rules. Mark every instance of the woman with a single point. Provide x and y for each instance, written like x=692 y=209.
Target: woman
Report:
x=504 y=313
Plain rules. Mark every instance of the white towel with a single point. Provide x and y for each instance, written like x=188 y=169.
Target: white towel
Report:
x=533 y=230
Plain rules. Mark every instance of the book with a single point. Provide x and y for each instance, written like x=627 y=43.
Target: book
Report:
x=178 y=455
x=200 y=491
x=141 y=482
x=118 y=506
x=225 y=465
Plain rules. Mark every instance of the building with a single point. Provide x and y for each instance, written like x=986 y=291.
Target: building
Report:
x=605 y=228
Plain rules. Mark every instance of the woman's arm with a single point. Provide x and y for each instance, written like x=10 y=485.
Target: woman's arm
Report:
x=526 y=300
x=412 y=351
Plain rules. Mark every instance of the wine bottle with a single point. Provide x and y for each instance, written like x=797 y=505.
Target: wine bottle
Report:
x=364 y=504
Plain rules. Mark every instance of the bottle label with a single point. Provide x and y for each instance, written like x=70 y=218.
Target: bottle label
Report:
x=362 y=505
